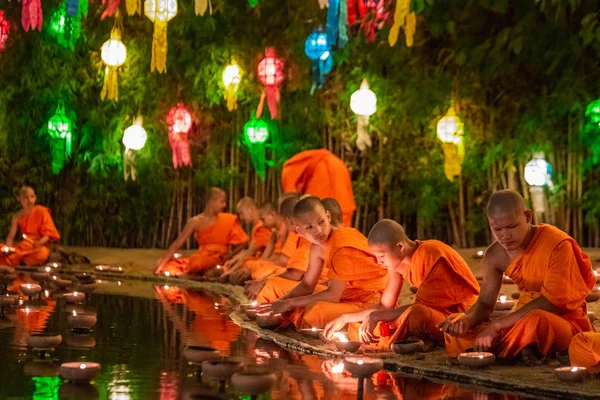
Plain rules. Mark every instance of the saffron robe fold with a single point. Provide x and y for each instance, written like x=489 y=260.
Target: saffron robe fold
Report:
x=348 y=259
x=322 y=174
x=551 y=260
x=213 y=242
x=584 y=351
x=34 y=226
x=446 y=285
x=260 y=269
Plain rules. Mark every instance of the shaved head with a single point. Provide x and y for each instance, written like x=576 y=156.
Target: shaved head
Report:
x=312 y=220
x=286 y=208
x=24 y=190
x=213 y=193
x=285 y=196
x=308 y=204
x=334 y=209
x=504 y=201
x=246 y=202
x=268 y=208
x=216 y=199
x=269 y=215
x=247 y=210
x=387 y=232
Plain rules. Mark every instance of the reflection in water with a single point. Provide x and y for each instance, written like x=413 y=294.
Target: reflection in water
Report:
x=138 y=342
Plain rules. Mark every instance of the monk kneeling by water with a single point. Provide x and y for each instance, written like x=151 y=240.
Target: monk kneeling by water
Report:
x=37 y=229
x=215 y=232
x=355 y=279
x=446 y=285
x=553 y=276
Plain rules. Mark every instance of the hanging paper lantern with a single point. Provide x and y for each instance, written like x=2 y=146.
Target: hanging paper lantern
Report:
x=318 y=49
x=114 y=54
x=134 y=139
x=160 y=12
x=256 y=133
x=4 y=30
x=200 y=7
x=231 y=80
x=133 y=7
x=538 y=171
x=450 y=127
x=404 y=19
x=60 y=130
x=363 y=103
x=67 y=29
x=111 y=8
x=31 y=15
x=270 y=73
x=370 y=14
x=179 y=120
x=337 y=18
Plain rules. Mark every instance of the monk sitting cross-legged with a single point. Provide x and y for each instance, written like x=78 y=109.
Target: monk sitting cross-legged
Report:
x=355 y=279
x=297 y=250
x=37 y=229
x=446 y=285
x=259 y=237
x=215 y=232
x=553 y=276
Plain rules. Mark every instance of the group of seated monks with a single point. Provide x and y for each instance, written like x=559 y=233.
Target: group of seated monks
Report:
x=302 y=262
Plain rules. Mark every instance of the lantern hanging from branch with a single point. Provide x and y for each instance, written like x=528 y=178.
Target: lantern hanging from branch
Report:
x=270 y=73
x=337 y=18
x=231 y=80
x=403 y=19
x=31 y=15
x=590 y=133
x=538 y=174
x=112 y=6
x=114 y=54
x=134 y=139
x=179 y=120
x=67 y=29
x=200 y=7
x=60 y=130
x=256 y=133
x=160 y=12
x=450 y=131
x=363 y=103
x=133 y=7
x=76 y=8
x=4 y=30
x=318 y=49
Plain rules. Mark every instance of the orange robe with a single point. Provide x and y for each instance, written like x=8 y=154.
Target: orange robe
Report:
x=321 y=174
x=260 y=237
x=213 y=242
x=347 y=259
x=552 y=266
x=297 y=248
x=36 y=225
x=446 y=286
x=584 y=350
x=262 y=268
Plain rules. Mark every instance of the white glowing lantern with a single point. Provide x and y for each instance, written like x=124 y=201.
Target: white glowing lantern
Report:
x=231 y=75
x=538 y=171
x=113 y=53
x=363 y=101
x=160 y=10
x=134 y=139
x=450 y=127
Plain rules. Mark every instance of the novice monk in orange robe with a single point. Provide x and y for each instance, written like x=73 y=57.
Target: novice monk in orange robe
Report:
x=446 y=285
x=553 y=276
x=584 y=351
x=37 y=229
x=320 y=173
x=355 y=279
x=214 y=231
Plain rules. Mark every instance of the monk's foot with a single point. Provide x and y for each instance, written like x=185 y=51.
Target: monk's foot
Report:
x=429 y=344
x=531 y=356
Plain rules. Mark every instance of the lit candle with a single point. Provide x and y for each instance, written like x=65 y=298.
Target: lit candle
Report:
x=314 y=329
x=480 y=253
x=167 y=273
x=176 y=255
x=502 y=299
x=574 y=369
x=26 y=310
x=46 y=293
x=74 y=313
x=55 y=265
x=338 y=368
x=360 y=362
x=341 y=337
x=119 y=283
x=82 y=366
x=24 y=236
x=54 y=277
x=218 y=267
x=48 y=269
x=166 y=287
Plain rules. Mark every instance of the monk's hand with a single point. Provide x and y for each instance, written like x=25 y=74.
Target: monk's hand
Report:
x=454 y=327
x=334 y=326
x=367 y=329
x=264 y=308
x=253 y=288
x=487 y=336
x=280 y=306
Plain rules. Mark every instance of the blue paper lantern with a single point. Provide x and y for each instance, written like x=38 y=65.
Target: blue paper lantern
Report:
x=316 y=45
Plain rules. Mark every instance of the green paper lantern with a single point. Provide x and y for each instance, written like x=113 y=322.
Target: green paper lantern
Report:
x=60 y=130
x=256 y=133
x=592 y=112
x=590 y=134
x=65 y=29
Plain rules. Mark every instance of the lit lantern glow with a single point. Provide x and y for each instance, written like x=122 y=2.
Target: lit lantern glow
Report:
x=160 y=12
x=256 y=133
x=66 y=28
x=4 y=30
x=450 y=127
x=179 y=120
x=270 y=73
x=450 y=131
x=231 y=80
x=134 y=139
x=114 y=54
x=60 y=132
x=31 y=15
x=363 y=103
x=318 y=49
x=538 y=171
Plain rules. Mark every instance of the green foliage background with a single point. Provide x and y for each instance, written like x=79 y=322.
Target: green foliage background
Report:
x=521 y=73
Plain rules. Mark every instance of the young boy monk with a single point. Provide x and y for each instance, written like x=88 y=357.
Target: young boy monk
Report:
x=446 y=285
x=553 y=276
x=214 y=230
x=37 y=229
x=355 y=279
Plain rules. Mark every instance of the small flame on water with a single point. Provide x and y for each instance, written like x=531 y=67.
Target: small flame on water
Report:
x=314 y=329
x=74 y=313
x=480 y=356
x=54 y=277
x=48 y=269
x=75 y=294
x=338 y=368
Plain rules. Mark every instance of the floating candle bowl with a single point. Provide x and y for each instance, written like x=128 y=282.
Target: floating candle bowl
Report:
x=40 y=276
x=80 y=341
x=30 y=289
x=75 y=297
x=363 y=366
x=79 y=371
x=312 y=332
x=61 y=283
x=82 y=321
x=343 y=344
x=43 y=340
x=7 y=301
x=268 y=320
x=571 y=374
x=199 y=354
x=479 y=254
x=476 y=360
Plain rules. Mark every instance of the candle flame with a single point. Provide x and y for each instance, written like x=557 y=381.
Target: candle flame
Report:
x=338 y=368
x=341 y=337
x=74 y=313
x=176 y=255
x=218 y=267
x=314 y=329
x=54 y=277
x=480 y=356
x=55 y=265
x=167 y=273
x=480 y=253
x=48 y=269
x=502 y=299
x=360 y=362
x=28 y=286
x=574 y=369
x=119 y=283
x=75 y=293
x=216 y=304
x=82 y=366
x=47 y=293
x=166 y=287
x=24 y=236
x=254 y=303
x=26 y=310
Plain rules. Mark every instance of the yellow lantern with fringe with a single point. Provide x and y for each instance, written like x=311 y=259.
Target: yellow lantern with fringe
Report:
x=113 y=54
x=160 y=12
x=450 y=131
x=231 y=80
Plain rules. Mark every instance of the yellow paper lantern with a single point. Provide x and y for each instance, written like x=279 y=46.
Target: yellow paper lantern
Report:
x=114 y=54
x=160 y=12
x=450 y=128
x=450 y=131
x=231 y=80
x=363 y=103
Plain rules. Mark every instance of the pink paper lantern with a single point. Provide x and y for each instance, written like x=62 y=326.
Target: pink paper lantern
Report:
x=179 y=120
x=270 y=73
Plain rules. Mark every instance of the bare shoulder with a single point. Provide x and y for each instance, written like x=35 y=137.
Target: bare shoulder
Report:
x=317 y=251
x=198 y=221
x=18 y=215
x=496 y=258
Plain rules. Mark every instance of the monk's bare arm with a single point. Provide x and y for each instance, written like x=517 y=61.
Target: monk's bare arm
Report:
x=311 y=277
x=292 y=274
x=270 y=246
x=332 y=294
x=192 y=225
x=541 y=303
x=10 y=239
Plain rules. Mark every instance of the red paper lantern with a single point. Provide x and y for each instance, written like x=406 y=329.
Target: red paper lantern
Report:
x=270 y=73
x=179 y=120
x=4 y=30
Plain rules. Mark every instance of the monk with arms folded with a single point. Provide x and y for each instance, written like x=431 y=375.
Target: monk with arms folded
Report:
x=553 y=276
x=355 y=279
x=37 y=229
x=446 y=285
x=215 y=232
